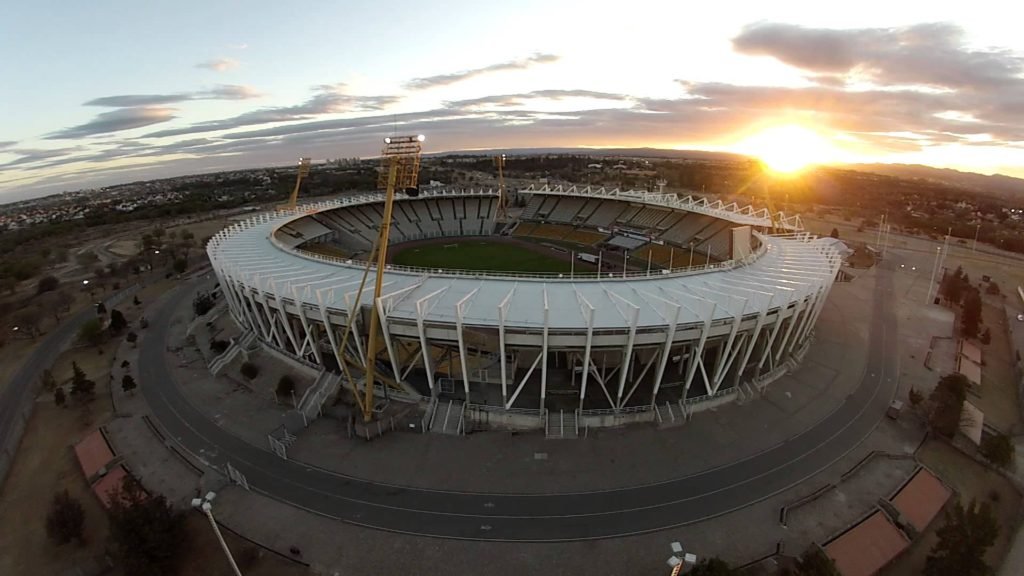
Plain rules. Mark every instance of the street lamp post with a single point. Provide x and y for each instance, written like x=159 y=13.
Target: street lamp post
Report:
x=935 y=268
x=205 y=504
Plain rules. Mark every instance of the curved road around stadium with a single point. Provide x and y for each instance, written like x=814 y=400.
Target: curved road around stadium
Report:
x=533 y=517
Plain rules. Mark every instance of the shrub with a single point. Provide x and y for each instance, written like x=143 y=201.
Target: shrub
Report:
x=132 y=338
x=249 y=370
x=915 y=397
x=219 y=346
x=997 y=449
x=47 y=284
x=66 y=519
x=285 y=386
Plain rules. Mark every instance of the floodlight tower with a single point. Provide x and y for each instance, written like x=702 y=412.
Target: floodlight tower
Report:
x=400 y=160
x=502 y=210
x=302 y=173
x=775 y=218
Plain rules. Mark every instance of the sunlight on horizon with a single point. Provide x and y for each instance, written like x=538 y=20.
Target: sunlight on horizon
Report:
x=789 y=148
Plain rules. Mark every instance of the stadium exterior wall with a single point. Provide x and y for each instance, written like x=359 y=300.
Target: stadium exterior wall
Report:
x=520 y=345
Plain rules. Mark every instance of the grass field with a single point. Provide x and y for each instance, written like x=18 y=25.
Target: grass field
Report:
x=482 y=255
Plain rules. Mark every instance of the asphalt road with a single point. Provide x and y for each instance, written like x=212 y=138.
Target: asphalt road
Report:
x=534 y=517
x=21 y=387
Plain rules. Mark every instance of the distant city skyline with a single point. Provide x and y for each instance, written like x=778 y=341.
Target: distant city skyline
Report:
x=108 y=92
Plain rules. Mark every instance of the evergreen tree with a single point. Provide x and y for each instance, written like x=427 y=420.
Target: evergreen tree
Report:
x=117 y=321
x=128 y=383
x=58 y=397
x=81 y=386
x=146 y=533
x=963 y=539
x=947 y=402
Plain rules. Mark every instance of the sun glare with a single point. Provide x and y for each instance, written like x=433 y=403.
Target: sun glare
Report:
x=787 y=149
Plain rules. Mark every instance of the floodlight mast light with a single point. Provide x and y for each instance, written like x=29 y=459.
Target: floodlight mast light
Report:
x=400 y=161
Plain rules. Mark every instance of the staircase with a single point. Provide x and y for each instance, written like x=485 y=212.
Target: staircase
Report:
x=449 y=418
x=671 y=414
x=562 y=425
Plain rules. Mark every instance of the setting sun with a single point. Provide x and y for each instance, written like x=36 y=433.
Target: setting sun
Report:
x=787 y=149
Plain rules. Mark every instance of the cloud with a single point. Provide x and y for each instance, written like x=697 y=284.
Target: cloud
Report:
x=7 y=144
x=115 y=121
x=511 y=100
x=327 y=99
x=35 y=155
x=446 y=79
x=219 y=92
x=219 y=64
x=933 y=55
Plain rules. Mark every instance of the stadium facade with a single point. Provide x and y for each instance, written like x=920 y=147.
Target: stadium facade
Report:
x=661 y=335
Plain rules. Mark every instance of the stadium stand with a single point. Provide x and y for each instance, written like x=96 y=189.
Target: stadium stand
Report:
x=688 y=227
x=605 y=214
x=588 y=237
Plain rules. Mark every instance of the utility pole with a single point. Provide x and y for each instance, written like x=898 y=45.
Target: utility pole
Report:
x=977 y=230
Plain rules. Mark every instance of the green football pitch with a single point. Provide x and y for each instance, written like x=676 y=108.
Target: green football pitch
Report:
x=481 y=255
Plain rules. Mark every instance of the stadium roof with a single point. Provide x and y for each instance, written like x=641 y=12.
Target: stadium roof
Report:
x=784 y=270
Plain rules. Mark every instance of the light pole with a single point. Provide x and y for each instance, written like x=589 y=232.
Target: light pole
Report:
x=206 y=505
x=935 y=268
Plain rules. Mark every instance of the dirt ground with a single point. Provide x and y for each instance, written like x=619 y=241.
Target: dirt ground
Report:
x=206 y=558
x=969 y=480
x=46 y=464
x=998 y=390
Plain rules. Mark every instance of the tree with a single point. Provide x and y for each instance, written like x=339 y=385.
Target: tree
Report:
x=91 y=332
x=81 y=386
x=117 y=321
x=132 y=338
x=128 y=383
x=835 y=233
x=814 y=562
x=986 y=336
x=58 y=397
x=202 y=303
x=947 y=402
x=249 y=370
x=180 y=265
x=66 y=519
x=285 y=386
x=992 y=288
x=997 y=449
x=970 y=316
x=136 y=301
x=145 y=532
x=712 y=567
x=187 y=235
x=963 y=539
x=47 y=379
x=47 y=284
x=101 y=308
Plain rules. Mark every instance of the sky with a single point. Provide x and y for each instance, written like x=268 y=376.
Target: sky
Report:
x=105 y=92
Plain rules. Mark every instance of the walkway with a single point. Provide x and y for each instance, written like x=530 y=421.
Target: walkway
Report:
x=531 y=517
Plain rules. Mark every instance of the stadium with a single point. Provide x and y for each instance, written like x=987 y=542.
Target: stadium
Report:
x=589 y=304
